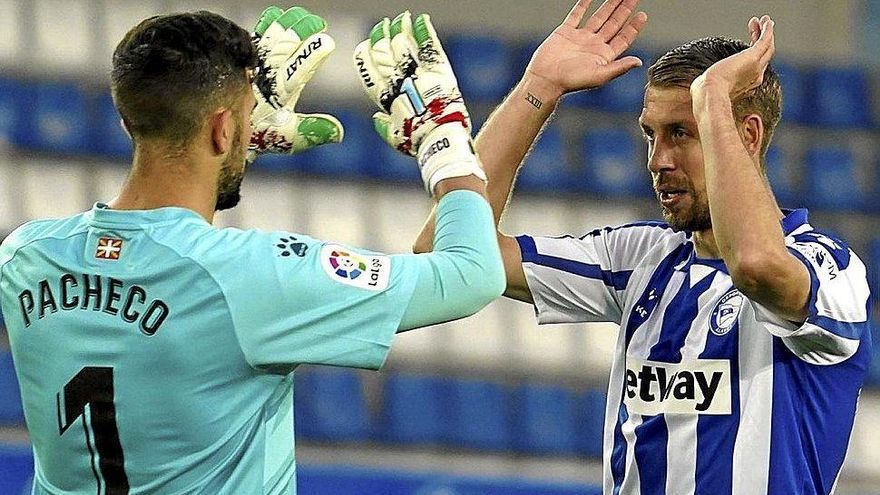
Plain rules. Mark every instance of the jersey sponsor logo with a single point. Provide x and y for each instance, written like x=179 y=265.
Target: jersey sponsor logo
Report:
x=365 y=272
x=726 y=312
x=109 y=249
x=700 y=386
x=289 y=246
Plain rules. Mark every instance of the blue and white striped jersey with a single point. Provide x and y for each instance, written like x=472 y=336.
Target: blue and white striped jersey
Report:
x=710 y=393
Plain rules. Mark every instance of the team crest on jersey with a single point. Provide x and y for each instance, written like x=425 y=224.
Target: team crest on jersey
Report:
x=109 y=249
x=365 y=272
x=726 y=312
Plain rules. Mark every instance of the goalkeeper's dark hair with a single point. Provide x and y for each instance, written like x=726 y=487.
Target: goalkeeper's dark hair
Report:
x=682 y=65
x=170 y=71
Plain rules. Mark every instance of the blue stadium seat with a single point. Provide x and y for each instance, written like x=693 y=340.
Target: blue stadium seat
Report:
x=832 y=179
x=545 y=420
x=841 y=97
x=330 y=405
x=110 y=138
x=546 y=168
x=415 y=410
x=613 y=165
x=16 y=469
x=783 y=179
x=61 y=119
x=386 y=163
x=591 y=422
x=346 y=160
x=15 y=102
x=10 y=396
x=795 y=106
x=479 y=411
x=482 y=66
x=627 y=92
x=275 y=162
x=873 y=263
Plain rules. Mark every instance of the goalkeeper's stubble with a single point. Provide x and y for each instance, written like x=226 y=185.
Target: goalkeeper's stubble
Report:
x=232 y=172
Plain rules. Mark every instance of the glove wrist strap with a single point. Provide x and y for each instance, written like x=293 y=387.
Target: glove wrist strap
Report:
x=447 y=152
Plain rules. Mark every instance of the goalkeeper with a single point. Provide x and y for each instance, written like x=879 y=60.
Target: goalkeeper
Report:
x=154 y=351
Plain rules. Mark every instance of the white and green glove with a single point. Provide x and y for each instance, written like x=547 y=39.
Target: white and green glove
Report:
x=406 y=73
x=291 y=45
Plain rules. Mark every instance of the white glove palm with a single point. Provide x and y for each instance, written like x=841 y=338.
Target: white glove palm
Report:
x=406 y=73
x=291 y=45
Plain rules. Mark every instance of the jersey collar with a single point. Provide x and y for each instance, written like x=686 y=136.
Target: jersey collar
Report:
x=101 y=214
x=793 y=220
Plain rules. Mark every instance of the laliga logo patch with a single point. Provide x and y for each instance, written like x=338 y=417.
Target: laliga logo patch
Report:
x=726 y=312
x=365 y=272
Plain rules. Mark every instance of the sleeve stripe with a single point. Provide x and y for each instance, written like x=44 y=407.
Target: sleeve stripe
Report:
x=617 y=280
x=845 y=329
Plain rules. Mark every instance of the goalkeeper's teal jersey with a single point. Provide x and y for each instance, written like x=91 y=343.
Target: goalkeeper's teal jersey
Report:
x=155 y=351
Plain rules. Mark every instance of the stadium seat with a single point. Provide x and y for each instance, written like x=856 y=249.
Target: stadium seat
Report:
x=388 y=164
x=794 y=100
x=109 y=137
x=275 y=162
x=591 y=422
x=627 y=92
x=10 y=396
x=545 y=420
x=479 y=411
x=416 y=410
x=16 y=469
x=832 y=179
x=330 y=405
x=840 y=97
x=482 y=66
x=15 y=100
x=783 y=179
x=60 y=119
x=546 y=168
x=873 y=262
x=346 y=160
x=613 y=164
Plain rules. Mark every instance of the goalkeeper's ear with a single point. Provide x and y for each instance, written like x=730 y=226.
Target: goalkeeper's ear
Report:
x=222 y=131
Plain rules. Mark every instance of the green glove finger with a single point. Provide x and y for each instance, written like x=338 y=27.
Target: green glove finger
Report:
x=423 y=29
x=303 y=22
x=383 y=127
x=379 y=31
x=317 y=129
x=266 y=18
x=397 y=24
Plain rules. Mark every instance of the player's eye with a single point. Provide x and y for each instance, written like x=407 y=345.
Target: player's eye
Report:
x=679 y=133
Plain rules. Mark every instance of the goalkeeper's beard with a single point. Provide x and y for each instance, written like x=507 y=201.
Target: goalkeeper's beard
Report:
x=231 y=175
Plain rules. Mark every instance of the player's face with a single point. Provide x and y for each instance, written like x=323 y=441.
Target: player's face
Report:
x=675 y=158
x=232 y=171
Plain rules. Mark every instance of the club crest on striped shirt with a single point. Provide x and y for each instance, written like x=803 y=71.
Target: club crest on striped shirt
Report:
x=726 y=312
x=108 y=249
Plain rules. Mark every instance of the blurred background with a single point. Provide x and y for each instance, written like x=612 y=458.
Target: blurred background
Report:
x=491 y=404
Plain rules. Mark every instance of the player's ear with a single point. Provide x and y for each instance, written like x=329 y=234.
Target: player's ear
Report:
x=752 y=133
x=222 y=130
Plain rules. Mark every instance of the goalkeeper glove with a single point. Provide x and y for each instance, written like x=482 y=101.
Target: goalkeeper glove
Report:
x=291 y=45
x=406 y=73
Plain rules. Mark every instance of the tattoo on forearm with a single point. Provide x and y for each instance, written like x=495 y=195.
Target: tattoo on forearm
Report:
x=534 y=101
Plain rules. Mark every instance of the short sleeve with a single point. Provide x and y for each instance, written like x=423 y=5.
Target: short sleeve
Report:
x=295 y=300
x=585 y=279
x=838 y=305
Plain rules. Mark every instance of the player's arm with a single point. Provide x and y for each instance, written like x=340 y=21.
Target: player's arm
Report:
x=572 y=58
x=754 y=250
x=406 y=73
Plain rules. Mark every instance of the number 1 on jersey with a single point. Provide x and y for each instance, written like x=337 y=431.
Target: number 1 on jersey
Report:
x=93 y=386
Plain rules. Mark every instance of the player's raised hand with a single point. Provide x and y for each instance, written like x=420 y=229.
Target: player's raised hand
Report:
x=744 y=71
x=406 y=73
x=291 y=46
x=576 y=57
